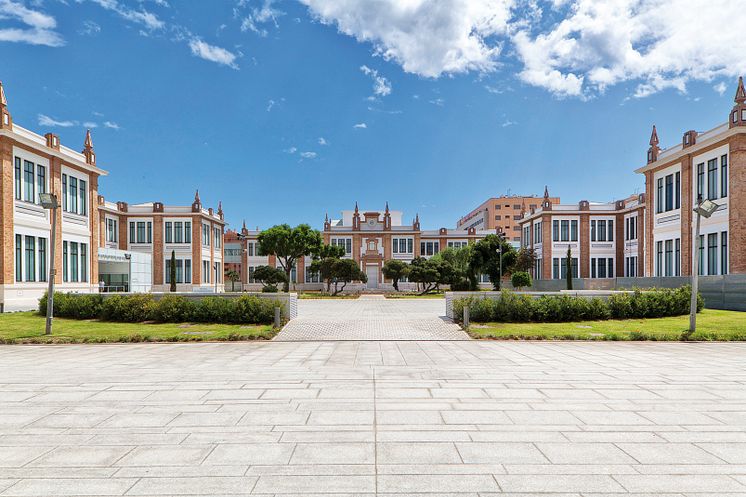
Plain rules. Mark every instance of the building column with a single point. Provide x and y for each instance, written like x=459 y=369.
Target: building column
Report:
x=95 y=220
x=620 y=244
x=642 y=224
x=196 y=250
x=585 y=246
x=6 y=211
x=546 y=247
x=688 y=200
x=55 y=171
x=647 y=267
x=737 y=200
x=158 y=251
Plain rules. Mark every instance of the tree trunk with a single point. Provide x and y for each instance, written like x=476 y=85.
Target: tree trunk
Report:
x=396 y=284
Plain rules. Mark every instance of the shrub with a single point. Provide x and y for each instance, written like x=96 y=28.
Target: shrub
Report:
x=213 y=310
x=520 y=279
x=254 y=310
x=516 y=308
x=128 y=308
x=172 y=309
x=73 y=305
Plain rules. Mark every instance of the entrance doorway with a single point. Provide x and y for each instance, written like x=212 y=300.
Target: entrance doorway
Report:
x=372 y=273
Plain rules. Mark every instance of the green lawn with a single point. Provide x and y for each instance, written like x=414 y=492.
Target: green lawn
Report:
x=411 y=295
x=28 y=327
x=711 y=325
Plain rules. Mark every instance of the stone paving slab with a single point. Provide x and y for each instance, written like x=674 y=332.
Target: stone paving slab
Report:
x=364 y=419
x=371 y=317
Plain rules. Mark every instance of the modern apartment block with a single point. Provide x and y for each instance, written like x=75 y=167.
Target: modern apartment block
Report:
x=705 y=165
x=31 y=165
x=605 y=240
x=193 y=234
x=502 y=213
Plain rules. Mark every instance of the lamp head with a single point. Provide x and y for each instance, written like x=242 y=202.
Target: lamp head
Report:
x=706 y=208
x=48 y=200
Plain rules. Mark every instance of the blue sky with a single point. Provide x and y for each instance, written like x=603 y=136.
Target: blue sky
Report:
x=286 y=110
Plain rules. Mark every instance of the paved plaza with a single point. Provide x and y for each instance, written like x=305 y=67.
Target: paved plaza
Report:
x=371 y=317
x=450 y=418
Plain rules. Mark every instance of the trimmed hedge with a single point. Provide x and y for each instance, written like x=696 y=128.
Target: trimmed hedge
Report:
x=140 y=307
x=516 y=308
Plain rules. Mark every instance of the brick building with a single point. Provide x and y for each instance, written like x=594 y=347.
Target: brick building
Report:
x=502 y=213
x=33 y=164
x=605 y=240
x=193 y=233
x=709 y=165
x=369 y=237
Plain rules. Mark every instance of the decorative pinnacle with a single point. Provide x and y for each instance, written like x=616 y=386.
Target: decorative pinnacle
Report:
x=88 y=143
x=196 y=197
x=740 y=92
x=654 y=137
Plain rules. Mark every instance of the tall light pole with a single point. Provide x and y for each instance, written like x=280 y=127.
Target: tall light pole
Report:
x=706 y=209
x=49 y=201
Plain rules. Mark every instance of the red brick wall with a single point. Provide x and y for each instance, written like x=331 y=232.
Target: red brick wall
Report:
x=737 y=200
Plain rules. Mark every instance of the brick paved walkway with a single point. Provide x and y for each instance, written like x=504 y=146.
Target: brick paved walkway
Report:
x=371 y=317
x=344 y=419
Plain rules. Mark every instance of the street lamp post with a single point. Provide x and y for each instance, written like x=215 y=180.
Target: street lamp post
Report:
x=704 y=208
x=49 y=201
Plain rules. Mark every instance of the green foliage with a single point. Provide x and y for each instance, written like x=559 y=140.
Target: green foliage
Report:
x=395 y=270
x=324 y=261
x=520 y=279
x=138 y=308
x=486 y=258
x=455 y=268
x=345 y=271
x=289 y=244
x=269 y=277
x=516 y=308
x=427 y=272
x=232 y=276
x=524 y=260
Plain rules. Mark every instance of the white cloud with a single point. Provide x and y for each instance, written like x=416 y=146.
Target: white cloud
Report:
x=658 y=44
x=720 y=88
x=112 y=125
x=507 y=123
x=260 y=16
x=213 y=53
x=322 y=141
x=38 y=27
x=438 y=101
x=89 y=28
x=270 y=104
x=90 y=125
x=360 y=126
x=381 y=85
x=47 y=121
x=291 y=150
x=308 y=155
x=142 y=16
x=426 y=37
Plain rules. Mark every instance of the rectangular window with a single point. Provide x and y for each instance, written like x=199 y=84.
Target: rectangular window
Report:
x=677 y=190
x=19 y=258
x=659 y=197
x=410 y=246
x=669 y=192
x=669 y=258
x=187 y=270
x=30 y=258
x=677 y=257
x=594 y=274
x=150 y=232
x=574 y=231
x=187 y=232
x=178 y=232
x=133 y=239
x=83 y=207
x=18 y=179
x=724 y=177
x=74 y=262
x=64 y=193
x=611 y=230
x=112 y=233
x=712 y=254
x=205 y=271
x=601 y=231
x=65 y=263
x=72 y=190
x=565 y=231
x=610 y=272
x=712 y=179
x=141 y=232
x=593 y=231
x=555 y=231
x=659 y=258
x=169 y=232
x=395 y=247
x=42 y=242
x=701 y=255
x=724 y=252
x=83 y=262
x=28 y=181
x=700 y=181
x=555 y=268
x=218 y=238
x=41 y=181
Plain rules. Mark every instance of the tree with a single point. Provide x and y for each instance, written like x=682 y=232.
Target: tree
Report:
x=486 y=258
x=288 y=245
x=430 y=273
x=519 y=279
x=324 y=260
x=233 y=277
x=395 y=270
x=524 y=261
x=172 y=271
x=345 y=271
x=269 y=277
x=568 y=265
x=457 y=271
